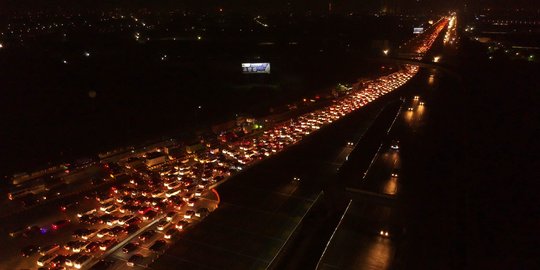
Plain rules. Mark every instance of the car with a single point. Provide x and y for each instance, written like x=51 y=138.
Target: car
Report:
x=69 y=245
x=79 y=246
x=182 y=224
x=79 y=232
x=87 y=213
x=17 y=232
x=29 y=250
x=71 y=258
x=192 y=202
x=133 y=221
x=88 y=234
x=170 y=233
x=130 y=247
x=45 y=259
x=395 y=173
x=49 y=249
x=134 y=259
x=34 y=230
x=112 y=221
x=170 y=216
x=410 y=109
x=158 y=246
x=150 y=215
x=107 y=207
x=199 y=192
x=106 y=218
x=65 y=207
x=145 y=210
x=124 y=219
x=107 y=244
x=116 y=231
x=161 y=225
x=58 y=261
x=89 y=219
x=394 y=145
x=187 y=197
x=132 y=228
x=102 y=265
x=104 y=232
x=146 y=235
x=202 y=212
x=60 y=224
x=82 y=261
x=189 y=214
x=92 y=246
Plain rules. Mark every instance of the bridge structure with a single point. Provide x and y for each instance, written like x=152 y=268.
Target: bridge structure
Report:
x=419 y=60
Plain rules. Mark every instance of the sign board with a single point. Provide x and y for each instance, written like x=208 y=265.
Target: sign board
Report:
x=250 y=68
x=418 y=30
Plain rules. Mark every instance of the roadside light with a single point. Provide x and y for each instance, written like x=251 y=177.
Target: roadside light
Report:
x=436 y=59
x=386 y=51
x=199 y=37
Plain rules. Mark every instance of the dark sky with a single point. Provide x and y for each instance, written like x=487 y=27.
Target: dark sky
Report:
x=235 y=5
x=262 y=6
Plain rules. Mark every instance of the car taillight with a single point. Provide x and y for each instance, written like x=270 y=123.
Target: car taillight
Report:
x=54 y=227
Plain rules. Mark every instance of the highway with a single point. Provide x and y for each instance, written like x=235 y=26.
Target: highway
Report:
x=368 y=217
x=382 y=192
x=261 y=207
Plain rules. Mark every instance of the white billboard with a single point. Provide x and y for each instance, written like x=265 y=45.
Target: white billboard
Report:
x=418 y=30
x=256 y=68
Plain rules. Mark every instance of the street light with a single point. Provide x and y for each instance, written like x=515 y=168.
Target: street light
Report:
x=386 y=51
x=436 y=59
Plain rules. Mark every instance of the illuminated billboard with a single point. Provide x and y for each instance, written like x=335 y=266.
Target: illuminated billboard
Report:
x=256 y=68
x=418 y=30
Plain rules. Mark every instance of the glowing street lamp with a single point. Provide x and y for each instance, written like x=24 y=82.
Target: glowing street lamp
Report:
x=386 y=51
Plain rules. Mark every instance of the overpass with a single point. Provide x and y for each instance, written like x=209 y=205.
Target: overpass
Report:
x=400 y=59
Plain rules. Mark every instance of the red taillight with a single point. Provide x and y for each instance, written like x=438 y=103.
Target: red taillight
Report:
x=54 y=227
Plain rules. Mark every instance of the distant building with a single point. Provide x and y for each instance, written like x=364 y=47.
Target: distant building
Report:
x=20 y=178
x=155 y=158
x=390 y=7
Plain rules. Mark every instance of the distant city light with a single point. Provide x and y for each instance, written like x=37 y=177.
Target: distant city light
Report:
x=64 y=61
x=199 y=37
x=1 y=45
x=87 y=54
x=436 y=59
x=386 y=51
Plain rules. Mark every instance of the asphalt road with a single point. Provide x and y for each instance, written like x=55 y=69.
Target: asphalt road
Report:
x=261 y=207
x=367 y=217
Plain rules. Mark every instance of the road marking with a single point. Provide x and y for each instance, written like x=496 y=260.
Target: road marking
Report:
x=333 y=233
